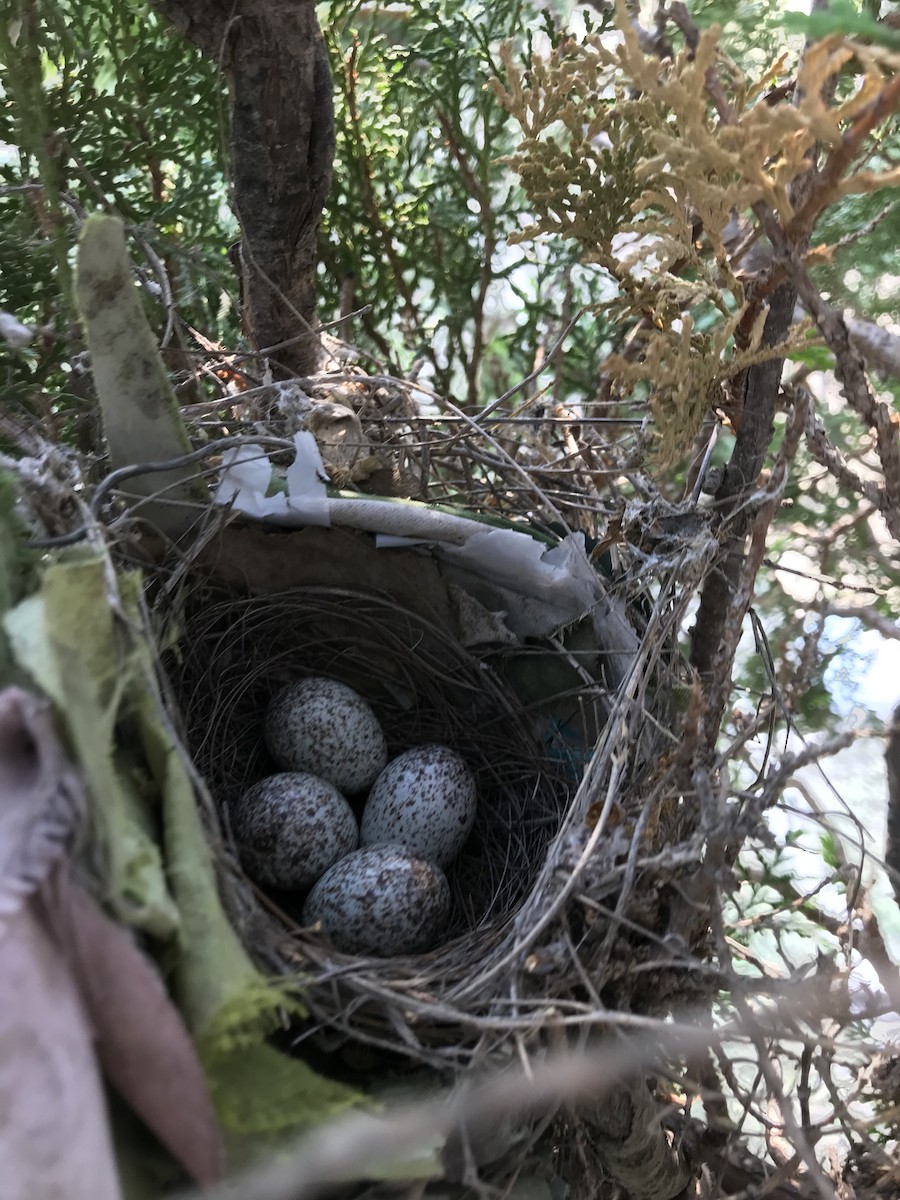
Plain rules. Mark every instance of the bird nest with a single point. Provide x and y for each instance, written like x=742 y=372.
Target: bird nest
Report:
x=540 y=889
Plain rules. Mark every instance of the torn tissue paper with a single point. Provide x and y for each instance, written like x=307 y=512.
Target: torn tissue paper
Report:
x=247 y=475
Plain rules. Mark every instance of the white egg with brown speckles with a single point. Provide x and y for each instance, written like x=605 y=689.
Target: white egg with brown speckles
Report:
x=381 y=901
x=425 y=800
x=324 y=727
x=291 y=828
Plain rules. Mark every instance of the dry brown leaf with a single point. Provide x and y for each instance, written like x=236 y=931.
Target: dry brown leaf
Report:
x=142 y=1043
x=41 y=798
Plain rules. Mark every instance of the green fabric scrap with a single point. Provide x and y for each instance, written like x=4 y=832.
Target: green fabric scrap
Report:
x=219 y=988
x=141 y=420
x=144 y=886
x=293 y=1095
x=24 y=627
x=260 y=1130
x=66 y=638
x=248 y=1013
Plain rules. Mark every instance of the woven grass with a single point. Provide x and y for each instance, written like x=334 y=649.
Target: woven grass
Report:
x=543 y=888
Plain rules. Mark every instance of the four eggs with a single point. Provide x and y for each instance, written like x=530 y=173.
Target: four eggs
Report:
x=296 y=830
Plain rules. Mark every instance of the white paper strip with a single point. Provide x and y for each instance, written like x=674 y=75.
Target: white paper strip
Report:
x=247 y=473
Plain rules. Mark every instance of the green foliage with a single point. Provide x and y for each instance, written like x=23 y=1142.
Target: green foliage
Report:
x=422 y=205
x=842 y=17
x=109 y=107
x=753 y=29
x=873 y=225
x=830 y=854
x=105 y=107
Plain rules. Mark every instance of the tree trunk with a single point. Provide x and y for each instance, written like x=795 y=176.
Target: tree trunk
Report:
x=282 y=146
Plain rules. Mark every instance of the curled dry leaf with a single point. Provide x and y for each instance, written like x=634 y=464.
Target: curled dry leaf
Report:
x=141 y=1040
x=41 y=799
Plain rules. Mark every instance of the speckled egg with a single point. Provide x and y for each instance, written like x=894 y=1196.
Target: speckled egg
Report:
x=380 y=901
x=324 y=727
x=424 y=800
x=290 y=828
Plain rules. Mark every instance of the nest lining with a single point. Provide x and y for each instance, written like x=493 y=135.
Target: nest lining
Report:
x=424 y=687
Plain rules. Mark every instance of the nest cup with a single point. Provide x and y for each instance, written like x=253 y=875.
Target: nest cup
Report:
x=238 y=651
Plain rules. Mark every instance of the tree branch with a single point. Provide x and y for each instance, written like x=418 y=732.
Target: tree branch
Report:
x=851 y=375
x=879 y=347
x=892 y=851
x=282 y=145
x=867 y=615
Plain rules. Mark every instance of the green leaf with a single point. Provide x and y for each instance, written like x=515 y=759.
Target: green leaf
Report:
x=817 y=358
x=65 y=639
x=844 y=19
x=830 y=851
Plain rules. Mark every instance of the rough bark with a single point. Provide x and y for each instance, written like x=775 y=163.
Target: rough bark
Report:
x=879 y=347
x=751 y=444
x=892 y=851
x=282 y=147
